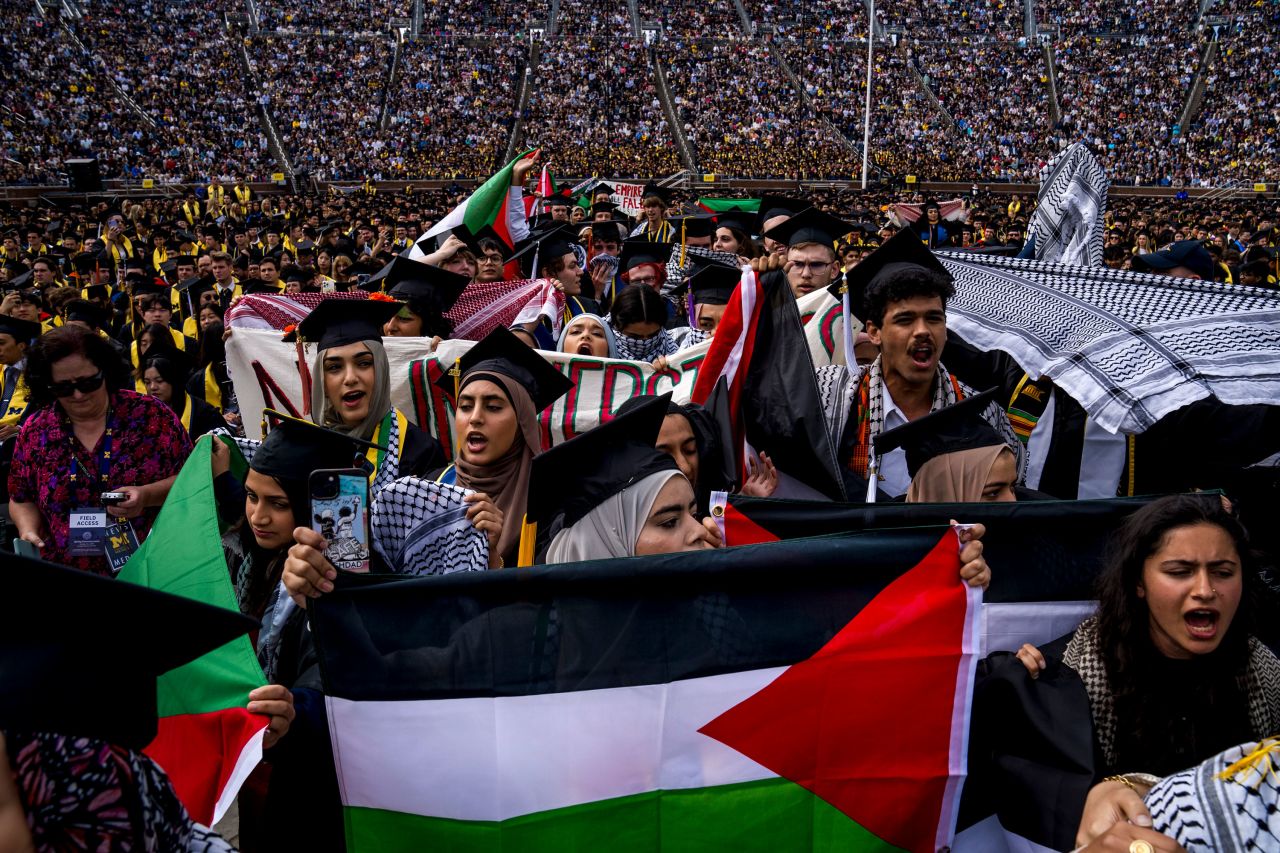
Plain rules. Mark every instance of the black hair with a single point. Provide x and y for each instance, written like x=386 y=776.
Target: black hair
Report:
x=66 y=341
x=172 y=372
x=637 y=303
x=1124 y=622
x=212 y=348
x=904 y=284
x=489 y=244
x=433 y=322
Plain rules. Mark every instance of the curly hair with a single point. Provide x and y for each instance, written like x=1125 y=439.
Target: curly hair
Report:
x=64 y=342
x=902 y=285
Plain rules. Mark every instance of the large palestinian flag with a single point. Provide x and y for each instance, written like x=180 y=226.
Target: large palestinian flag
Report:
x=797 y=695
x=207 y=742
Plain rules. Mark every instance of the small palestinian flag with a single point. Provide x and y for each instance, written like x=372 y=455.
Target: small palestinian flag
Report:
x=495 y=204
x=793 y=696
x=208 y=742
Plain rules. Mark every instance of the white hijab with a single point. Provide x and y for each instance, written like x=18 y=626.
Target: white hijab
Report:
x=611 y=529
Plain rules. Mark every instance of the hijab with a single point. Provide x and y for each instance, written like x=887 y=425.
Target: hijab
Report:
x=954 y=477
x=611 y=529
x=506 y=481
x=608 y=333
x=379 y=402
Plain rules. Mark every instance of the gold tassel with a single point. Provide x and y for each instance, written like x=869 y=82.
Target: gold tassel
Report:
x=528 y=541
x=1261 y=755
x=456 y=373
x=684 y=225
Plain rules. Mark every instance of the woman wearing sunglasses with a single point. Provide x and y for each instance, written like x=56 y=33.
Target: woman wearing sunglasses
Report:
x=88 y=435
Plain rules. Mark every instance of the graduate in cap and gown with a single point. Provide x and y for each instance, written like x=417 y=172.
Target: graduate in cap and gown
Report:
x=426 y=291
x=555 y=255
x=351 y=387
x=900 y=291
x=76 y=711
x=611 y=493
x=655 y=228
x=498 y=389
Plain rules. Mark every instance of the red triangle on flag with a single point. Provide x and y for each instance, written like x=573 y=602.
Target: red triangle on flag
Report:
x=867 y=722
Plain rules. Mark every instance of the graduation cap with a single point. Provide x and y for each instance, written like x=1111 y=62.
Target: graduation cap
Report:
x=406 y=279
x=148 y=287
x=169 y=266
x=31 y=296
x=810 y=226
x=97 y=291
x=1185 y=253
x=575 y=477
x=503 y=353
x=738 y=220
x=637 y=252
x=695 y=225
x=293 y=448
x=19 y=281
x=608 y=230
x=560 y=199
x=59 y=675
x=20 y=330
x=902 y=251
x=602 y=187
x=551 y=244
x=85 y=312
x=714 y=283
x=251 y=286
x=773 y=206
x=603 y=207
x=652 y=190
x=957 y=427
x=196 y=285
x=338 y=322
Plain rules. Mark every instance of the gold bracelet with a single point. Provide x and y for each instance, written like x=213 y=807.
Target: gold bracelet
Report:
x=1123 y=781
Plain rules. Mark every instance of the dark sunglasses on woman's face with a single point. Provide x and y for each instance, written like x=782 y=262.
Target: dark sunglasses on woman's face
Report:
x=85 y=385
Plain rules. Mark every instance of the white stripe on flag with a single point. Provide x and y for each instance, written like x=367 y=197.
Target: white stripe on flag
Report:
x=747 y=287
x=248 y=760
x=1010 y=625
x=494 y=759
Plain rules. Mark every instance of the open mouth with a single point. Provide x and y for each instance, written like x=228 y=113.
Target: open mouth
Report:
x=476 y=442
x=352 y=399
x=921 y=355
x=584 y=348
x=1202 y=624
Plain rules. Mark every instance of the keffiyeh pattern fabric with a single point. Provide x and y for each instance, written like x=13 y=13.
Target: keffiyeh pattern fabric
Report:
x=1129 y=347
x=421 y=528
x=1067 y=223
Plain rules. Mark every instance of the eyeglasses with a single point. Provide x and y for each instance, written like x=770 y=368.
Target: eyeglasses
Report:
x=85 y=385
x=648 y=282
x=814 y=267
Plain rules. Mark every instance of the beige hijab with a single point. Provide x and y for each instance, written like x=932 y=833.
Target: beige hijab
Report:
x=954 y=477
x=611 y=529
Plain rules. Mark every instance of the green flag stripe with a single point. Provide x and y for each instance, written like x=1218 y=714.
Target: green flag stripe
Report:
x=767 y=815
x=718 y=205
x=183 y=556
x=485 y=202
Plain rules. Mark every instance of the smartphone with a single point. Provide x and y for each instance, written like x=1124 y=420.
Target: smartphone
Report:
x=113 y=498
x=340 y=513
x=23 y=548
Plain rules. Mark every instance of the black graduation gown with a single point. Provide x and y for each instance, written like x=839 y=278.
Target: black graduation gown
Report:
x=422 y=453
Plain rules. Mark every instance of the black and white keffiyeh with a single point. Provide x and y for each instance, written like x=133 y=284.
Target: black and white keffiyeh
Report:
x=678 y=272
x=1067 y=223
x=1129 y=347
x=420 y=527
x=1229 y=802
x=644 y=349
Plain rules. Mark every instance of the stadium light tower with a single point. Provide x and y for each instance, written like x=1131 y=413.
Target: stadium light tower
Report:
x=866 y=118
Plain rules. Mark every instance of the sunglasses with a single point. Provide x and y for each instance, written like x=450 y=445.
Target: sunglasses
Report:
x=85 y=385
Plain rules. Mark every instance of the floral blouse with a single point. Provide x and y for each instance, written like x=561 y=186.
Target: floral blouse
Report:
x=148 y=445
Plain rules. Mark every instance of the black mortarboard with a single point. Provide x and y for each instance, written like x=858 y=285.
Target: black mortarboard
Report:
x=1261 y=269
x=560 y=199
x=338 y=322
x=575 y=477
x=714 y=283
x=737 y=220
x=19 y=281
x=251 y=286
x=636 y=252
x=602 y=187
x=809 y=226
x=772 y=206
x=20 y=330
x=148 y=287
x=196 y=285
x=86 y=312
x=1185 y=253
x=547 y=246
x=97 y=291
x=169 y=266
x=31 y=296
x=950 y=430
x=608 y=230
x=603 y=207
x=902 y=251
x=652 y=190
x=695 y=225
x=59 y=675
x=405 y=279
x=293 y=448
x=503 y=353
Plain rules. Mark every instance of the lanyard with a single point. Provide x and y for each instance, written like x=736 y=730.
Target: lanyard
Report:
x=104 y=459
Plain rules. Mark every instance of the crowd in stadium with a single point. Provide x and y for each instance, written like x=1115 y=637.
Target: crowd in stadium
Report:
x=1123 y=73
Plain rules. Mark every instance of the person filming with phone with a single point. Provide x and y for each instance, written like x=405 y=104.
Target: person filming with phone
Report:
x=94 y=460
